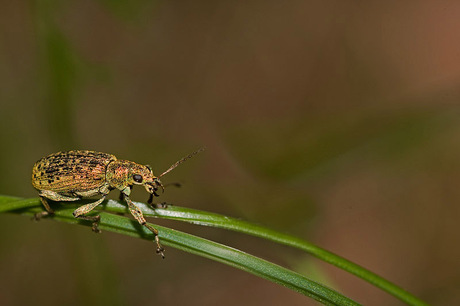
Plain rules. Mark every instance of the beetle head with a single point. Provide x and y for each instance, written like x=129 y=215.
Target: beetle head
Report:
x=143 y=175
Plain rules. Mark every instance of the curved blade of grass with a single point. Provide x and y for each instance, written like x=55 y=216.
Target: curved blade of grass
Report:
x=8 y=203
x=216 y=220
x=198 y=246
x=211 y=219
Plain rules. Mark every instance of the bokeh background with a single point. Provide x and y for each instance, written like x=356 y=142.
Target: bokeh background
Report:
x=336 y=121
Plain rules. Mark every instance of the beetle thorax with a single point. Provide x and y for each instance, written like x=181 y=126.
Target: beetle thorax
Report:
x=121 y=173
x=117 y=174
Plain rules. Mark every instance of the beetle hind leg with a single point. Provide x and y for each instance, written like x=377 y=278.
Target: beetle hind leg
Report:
x=48 y=211
x=82 y=210
x=54 y=196
x=94 y=219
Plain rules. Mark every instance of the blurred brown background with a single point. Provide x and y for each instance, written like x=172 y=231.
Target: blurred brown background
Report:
x=336 y=121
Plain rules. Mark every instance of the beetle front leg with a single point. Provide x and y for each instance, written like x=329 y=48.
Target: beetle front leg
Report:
x=80 y=211
x=125 y=192
x=137 y=214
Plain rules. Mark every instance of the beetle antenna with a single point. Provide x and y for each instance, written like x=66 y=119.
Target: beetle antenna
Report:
x=182 y=160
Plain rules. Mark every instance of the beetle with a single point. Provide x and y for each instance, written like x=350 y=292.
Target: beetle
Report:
x=78 y=174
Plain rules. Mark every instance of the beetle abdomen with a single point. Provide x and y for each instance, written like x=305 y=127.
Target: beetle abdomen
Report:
x=71 y=171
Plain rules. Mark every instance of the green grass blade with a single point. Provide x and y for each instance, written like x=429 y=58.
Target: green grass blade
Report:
x=191 y=244
x=8 y=203
x=220 y=221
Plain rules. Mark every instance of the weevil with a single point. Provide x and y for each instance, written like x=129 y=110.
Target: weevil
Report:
x=74 y=175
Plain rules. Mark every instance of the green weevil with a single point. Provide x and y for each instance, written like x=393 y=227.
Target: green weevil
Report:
x=74 y=175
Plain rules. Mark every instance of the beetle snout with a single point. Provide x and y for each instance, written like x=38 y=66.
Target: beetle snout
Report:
x=152 y=187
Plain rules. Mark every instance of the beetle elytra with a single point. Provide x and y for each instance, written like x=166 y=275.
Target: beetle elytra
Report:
x=74 y=175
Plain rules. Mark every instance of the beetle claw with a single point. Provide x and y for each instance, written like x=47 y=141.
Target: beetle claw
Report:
x=95 y=226
x=38 y=216
x=160 y=251
x=96 y=229
x=163 y=205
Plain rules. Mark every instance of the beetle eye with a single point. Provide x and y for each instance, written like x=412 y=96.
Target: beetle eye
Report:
x=137 y=178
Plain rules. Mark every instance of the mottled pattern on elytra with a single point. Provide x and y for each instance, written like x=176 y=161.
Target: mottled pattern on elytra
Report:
x=64 y=172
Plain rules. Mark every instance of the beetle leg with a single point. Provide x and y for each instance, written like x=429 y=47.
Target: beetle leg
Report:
x=150 y=200
x=48 y=209
x=162 y=205
x=54 y=196
x=126 y=191
x=46 y=194
x=80 y=211
x=137 y=214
